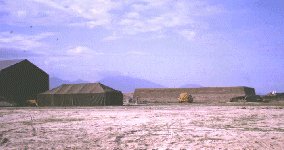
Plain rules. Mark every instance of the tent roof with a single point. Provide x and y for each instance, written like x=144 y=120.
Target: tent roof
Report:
x=80 y=89
x=8 y=63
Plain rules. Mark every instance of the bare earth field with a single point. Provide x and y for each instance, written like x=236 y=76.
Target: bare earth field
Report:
x=143 y=127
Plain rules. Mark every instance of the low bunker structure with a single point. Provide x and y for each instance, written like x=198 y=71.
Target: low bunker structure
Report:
x=200 y=95
x=89 y=94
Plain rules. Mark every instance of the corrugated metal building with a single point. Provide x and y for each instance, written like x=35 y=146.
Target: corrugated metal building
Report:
x=202 y=95
x=20 y=80
x=87 y=94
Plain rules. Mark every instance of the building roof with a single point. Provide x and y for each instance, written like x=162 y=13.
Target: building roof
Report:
x=4 y=64
x=8 y=63
x=80 y=89
x=198 y=88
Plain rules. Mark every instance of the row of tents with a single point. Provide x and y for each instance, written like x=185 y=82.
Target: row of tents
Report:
x=22 y=82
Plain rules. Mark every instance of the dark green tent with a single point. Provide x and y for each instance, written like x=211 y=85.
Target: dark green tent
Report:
x=88 y=94
x=21 y=80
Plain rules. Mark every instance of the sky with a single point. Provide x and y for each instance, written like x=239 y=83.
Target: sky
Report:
x=169 y=42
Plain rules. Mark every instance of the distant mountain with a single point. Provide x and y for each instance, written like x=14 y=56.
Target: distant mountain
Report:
x=191 y=86
x=128 y=84
x=55 y=82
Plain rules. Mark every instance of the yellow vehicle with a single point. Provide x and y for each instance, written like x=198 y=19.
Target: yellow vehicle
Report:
x=185 y=97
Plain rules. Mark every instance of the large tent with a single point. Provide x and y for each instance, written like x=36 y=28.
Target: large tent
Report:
x=21 y=80
x=88 y=94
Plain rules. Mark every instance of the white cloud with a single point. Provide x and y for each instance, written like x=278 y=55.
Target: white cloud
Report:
x=82 y=51
x=154 y=16
x=21 y=13
x=188 y=34
x=21 y=41
x=162 y=16
x=129 y=17
x=112 y=37
x=92 y=12
x=48 y=12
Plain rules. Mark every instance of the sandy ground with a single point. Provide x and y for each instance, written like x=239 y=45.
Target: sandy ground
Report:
x=143 y=127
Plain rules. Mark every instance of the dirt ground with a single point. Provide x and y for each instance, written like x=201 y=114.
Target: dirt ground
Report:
x=143 y=127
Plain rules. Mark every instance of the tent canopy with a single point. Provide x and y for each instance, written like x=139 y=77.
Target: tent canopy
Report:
x=80 y=89
x=87 y=94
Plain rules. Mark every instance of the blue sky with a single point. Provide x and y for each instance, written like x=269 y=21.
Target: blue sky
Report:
x=170 y=42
